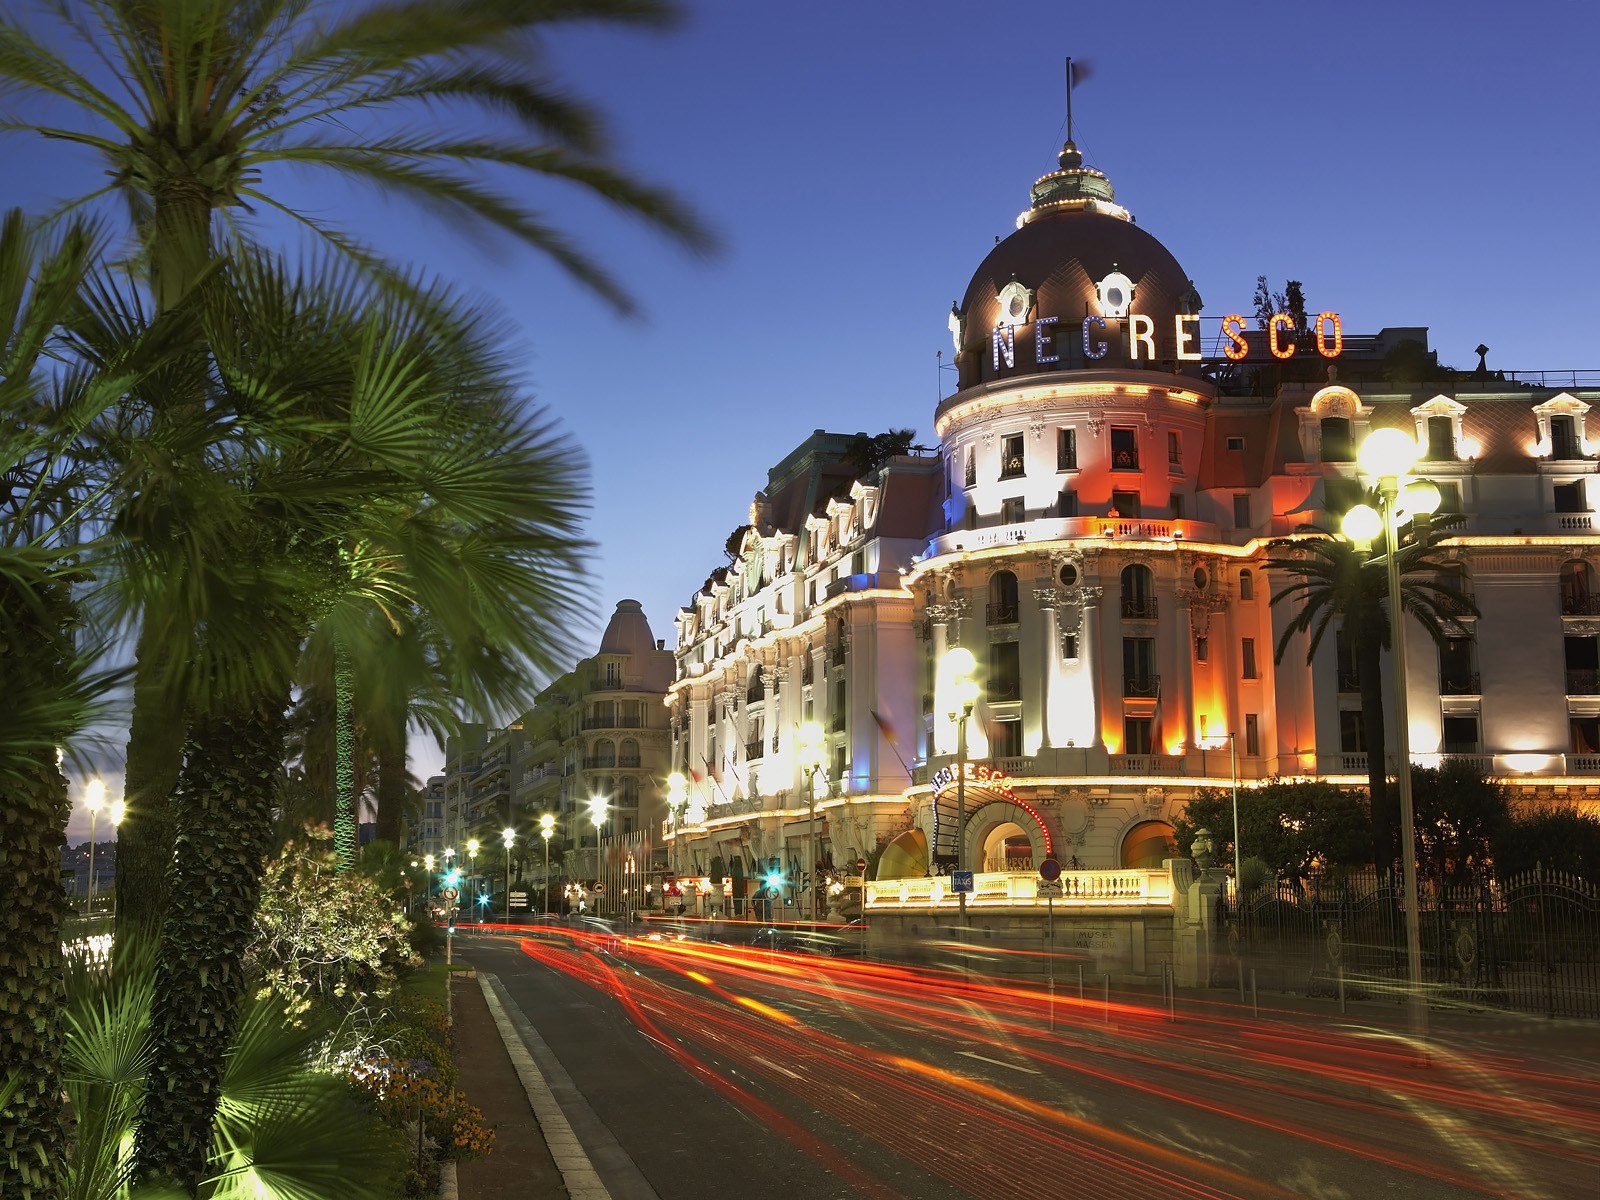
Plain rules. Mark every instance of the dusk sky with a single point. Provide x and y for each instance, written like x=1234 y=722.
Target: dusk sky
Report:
x=1413 y=164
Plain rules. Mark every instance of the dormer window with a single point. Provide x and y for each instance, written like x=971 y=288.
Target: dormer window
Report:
x=1561 y=427
x=1441 y=439
x=1336 y=444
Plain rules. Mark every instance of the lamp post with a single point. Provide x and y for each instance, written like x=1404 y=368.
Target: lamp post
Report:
x=1388 y=454
x=597 y=814
x=118 y=810
x=547 y=828
x=963 y=694
x=508 y=835
x=472 y=873
x=94 y=796
x=677 y=803
x=811 y=754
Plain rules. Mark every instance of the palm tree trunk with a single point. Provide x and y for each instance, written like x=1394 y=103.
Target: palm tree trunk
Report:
x=181 y=247
x=223 y=806
x=392 y=780
x=1369 y=663
x=345 y=828
x=33 y=825
x=155 y=755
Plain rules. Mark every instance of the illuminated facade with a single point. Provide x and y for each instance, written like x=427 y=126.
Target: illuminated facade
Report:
x=1113 y=470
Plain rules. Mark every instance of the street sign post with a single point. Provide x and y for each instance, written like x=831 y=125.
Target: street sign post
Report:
x=961 y=882
x=861 y=866
x=853 y=881
x=1050 y=887
x=1050 y=869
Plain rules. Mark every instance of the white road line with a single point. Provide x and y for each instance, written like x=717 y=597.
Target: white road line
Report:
x=998 y=1063
x=576 y=1170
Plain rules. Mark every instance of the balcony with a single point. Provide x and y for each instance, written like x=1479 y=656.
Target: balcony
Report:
x=628 y=760
x=1349 y=682
x=1583 y=682
x=836 y=656
x=1462 y=684
x=1148 y=764
x=1575 y=604
x=1139 y=608
x=600 y=763
x=754 y=750
x=1141 y=686
x=807 y=671
x=1001 y=690
x=608 y=685
x=1002 y=614
x=627 y=722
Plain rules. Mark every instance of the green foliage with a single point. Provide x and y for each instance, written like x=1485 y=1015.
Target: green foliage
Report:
x=1461 y=816
x=1556 y=837
x=1255 y=874
x=864 y=454
x=1295 y=828
x=325 y=937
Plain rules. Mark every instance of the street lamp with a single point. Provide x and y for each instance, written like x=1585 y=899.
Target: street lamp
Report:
x=1388 y=454
x=508 y=835
x=118 y=810
x=472 y=870
x=597 y=814
x=963 y=695
x=94 y=797
x=677 y=803
x=547 y=828
x=811 y=756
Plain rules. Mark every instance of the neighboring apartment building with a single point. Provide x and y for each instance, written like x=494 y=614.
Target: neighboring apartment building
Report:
x=1113 y=475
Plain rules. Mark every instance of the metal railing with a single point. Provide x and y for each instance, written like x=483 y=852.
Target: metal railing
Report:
x=1141 y=686
x=1002 y=614
x=1000 y=689
x=1349 y=681
x=1584 y=682
x=1573 y=605
x=1139 y=608
x=1460 y=685
x=754 y=750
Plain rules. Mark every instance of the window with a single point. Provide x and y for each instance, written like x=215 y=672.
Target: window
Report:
x=1570 y=498
x=1174 y=448
x=1139 y=678
x=1341 y=495
x=1175 y=506
x=1585 y=735
x=613 y=674
x=1352 y=739
x=1345 y=655
x=1125 y=505
x=1235 y=443
x=1005 y=739
x=1013 y=511
x=1336 y=445
x=1005 y=672
x=1136 y=733
x=1441 y=439
x=605 y=753
x=1461 y=735
x=1124 y=449
x=1202 y=649
x=1067 y=504
x=1011 y=461
x=1241 y=512
x=1247 y=585
x=1002 y=598
x=839 y=693
x=1252 y=735
x=1069 y=646
x=1583 y=666
x=858 y=562
x=1247 y=658
x=1563 y=438
x=1575 y=589
x=1066 y=449
x=1138 y=592
x=1456 y=676
x=1449 y=497
x=970 y=472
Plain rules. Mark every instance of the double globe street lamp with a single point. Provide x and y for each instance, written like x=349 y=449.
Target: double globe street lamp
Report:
x=963 y=695
x=812 y=751
x=1387 y=455
x=547 y=829
x=508 y=836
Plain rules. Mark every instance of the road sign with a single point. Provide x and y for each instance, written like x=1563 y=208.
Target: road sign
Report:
x=1049 y=887
x=1050 y=869
x=853 y=880
x=861 y=866
x=961 y=881
x=598 y=888
x=452 y=893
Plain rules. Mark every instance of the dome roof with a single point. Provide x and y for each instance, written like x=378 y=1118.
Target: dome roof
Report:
x=1073 y=237
x=629 y=633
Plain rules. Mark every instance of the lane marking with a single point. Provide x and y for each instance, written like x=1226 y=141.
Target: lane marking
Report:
x=998 y=1063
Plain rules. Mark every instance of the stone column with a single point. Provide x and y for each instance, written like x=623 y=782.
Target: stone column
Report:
x=1089 y=645
x=1186 y=666
x=1050 y=664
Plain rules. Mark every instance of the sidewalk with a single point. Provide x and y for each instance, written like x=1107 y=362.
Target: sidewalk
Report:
x=520 y=1164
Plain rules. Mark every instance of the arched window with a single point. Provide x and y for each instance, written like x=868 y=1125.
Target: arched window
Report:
x=758 y=686
x=1575 y=590
x=1247 y=586
x=1138 y=591
x=1147 y=844
x=1002 y=598
x=628 y=792
x=605 y=753
x=1336 y=445
x=629 y=755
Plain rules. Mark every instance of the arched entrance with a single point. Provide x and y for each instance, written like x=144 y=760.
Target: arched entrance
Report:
x=1004 y=835
x=1147 y=844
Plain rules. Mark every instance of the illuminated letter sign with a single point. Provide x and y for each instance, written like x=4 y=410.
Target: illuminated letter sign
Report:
x=1041 y=335
x=1233 y=330
x=1005 y=342
x=1185 y=336
x=1338 y=335
x=1096 y=349
x=1285 y=321
x=1141 y=331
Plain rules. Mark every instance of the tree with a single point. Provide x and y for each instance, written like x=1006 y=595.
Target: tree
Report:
x=203 y=100
x=865 y=455
x=1296 y=828
x=1555 y=837
x=1333 y=579
x=1461 y=817
x=1266 y=302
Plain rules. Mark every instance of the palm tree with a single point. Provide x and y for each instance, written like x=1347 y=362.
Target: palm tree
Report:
x=199 y=106
x=1336 y=580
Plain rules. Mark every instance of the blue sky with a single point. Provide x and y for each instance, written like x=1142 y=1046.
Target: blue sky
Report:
x=1412 y=163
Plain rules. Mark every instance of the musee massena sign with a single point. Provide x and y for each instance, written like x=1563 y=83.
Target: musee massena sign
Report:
x=1139 y=337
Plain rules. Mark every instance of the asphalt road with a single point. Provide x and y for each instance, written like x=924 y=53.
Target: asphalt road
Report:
x=708 y=1072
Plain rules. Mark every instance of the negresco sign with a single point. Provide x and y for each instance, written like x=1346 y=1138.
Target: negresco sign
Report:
x=1139 y=337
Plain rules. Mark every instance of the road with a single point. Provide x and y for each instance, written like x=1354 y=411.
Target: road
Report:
x=711 y=1071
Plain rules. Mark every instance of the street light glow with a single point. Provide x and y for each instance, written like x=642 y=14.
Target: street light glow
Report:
x=119 y=809
x=1421 y=498
x=94 y=795
x=547 y=823
x=1362 y=523
x=508 y=835
x=1387 y=453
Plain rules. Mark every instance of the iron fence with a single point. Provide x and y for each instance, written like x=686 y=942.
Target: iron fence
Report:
x=1529 y=943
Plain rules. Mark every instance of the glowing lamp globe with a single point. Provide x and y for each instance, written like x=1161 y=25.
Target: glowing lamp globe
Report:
x=1362 y=523
x=960 y=662
x=774 y=880
x=1387 y=452
x=508 y=836
x=94 y=795
x=119 y=809
x=1421 y=498
x=967 y=692
x=548 y=822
